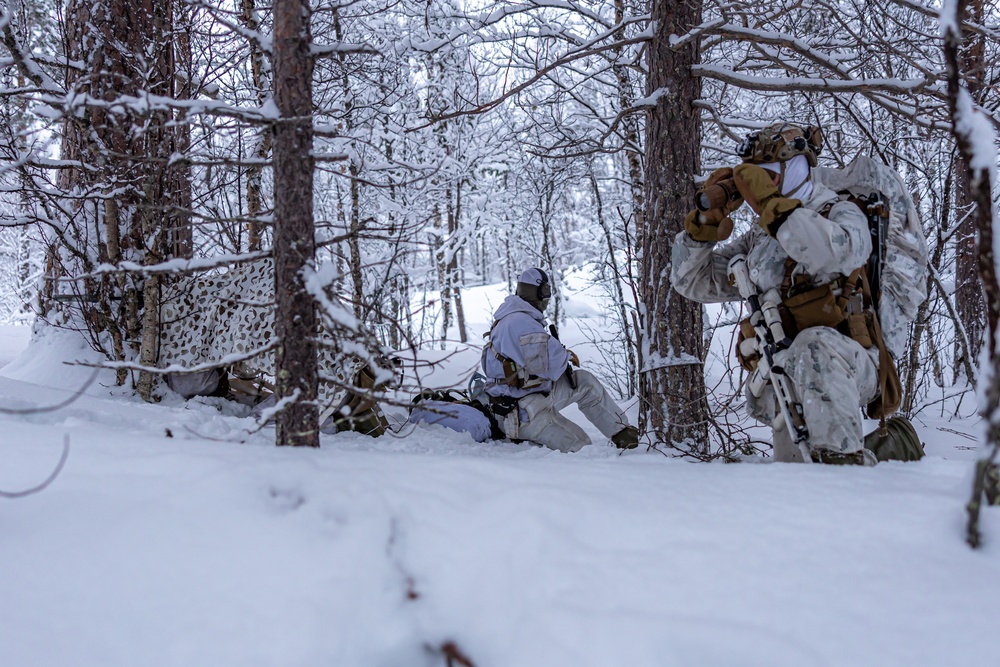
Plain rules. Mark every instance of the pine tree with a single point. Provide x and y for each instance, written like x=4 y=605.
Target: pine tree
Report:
x=672 y=385
x=294 y=229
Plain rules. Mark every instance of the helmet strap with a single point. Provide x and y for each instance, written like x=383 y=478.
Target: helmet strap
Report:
x=781 y=182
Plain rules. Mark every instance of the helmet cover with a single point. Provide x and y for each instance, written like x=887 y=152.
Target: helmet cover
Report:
x=534 y=287
x=781 y=142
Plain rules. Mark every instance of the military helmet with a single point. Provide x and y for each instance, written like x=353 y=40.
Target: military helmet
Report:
x=781 y=142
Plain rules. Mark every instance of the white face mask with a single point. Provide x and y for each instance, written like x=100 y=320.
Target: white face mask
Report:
x=794 y=176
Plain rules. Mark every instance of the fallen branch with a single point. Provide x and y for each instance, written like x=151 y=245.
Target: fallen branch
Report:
x=51 y=478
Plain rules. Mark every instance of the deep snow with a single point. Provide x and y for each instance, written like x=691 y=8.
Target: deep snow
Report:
x=176 y=536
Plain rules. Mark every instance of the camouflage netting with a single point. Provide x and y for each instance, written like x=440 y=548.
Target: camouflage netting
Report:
x=219 y=319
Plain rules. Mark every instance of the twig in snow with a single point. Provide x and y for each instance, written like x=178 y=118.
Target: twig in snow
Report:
x=454 y=657
x=49 y=480
x=58 y=406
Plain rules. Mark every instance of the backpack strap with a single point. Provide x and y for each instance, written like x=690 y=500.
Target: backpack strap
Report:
x=511 y=377
x=890 y=387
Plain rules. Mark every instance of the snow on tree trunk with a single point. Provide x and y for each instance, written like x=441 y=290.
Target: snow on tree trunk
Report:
x=262 y=145
x=976 y=141
x=672 y=387
x=294 y=242
x=122 y=193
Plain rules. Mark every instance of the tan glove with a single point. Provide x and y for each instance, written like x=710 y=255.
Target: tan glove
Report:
x=711 y=226
x=723 y=174
x=720 y=174
x=758 y=189
x=573 y=359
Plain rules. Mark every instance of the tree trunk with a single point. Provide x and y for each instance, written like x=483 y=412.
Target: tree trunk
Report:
x=295 y=321
x=969 y=303
x=440 y=259
x=354 y=243
x=673 y=402
x=354 y=230
x=981 y=184
x=128 y=194
x=454 y=275
x=179 y=219
x=630 y=127
x=164 y=212
x=616 y=281
x=549 y=262
x=262 y=146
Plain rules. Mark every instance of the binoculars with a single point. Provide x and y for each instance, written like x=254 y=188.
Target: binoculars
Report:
x=717 y=195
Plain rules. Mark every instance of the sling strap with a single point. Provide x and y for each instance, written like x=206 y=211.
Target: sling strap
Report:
x=514 y=375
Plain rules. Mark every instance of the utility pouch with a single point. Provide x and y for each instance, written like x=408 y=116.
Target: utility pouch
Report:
x=746 y=346
x=857 y=328
x=859 y=325
x=814 y=308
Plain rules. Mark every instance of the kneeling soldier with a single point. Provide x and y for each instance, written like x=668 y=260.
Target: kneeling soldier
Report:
x=531 y=377
x=808 y=251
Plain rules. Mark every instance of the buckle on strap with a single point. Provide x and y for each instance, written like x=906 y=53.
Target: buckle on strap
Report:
x=502 y=406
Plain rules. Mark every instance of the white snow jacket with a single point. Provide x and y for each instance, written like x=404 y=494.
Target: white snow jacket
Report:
x=520 y=334
x=825 y=247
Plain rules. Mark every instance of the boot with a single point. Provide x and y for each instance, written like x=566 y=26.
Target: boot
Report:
x=627 y=438
x=862 y=457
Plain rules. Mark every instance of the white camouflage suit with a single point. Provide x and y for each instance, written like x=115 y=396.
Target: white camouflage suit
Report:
x=833 y=375
x=520 y=334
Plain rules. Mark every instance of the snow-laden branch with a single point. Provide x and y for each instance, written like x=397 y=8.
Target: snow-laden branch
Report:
x=565 y=59
x=146 y=103
x=799 y=46
x=816 y=84
x=226 y=360
x=174 y=266
x=24 y=60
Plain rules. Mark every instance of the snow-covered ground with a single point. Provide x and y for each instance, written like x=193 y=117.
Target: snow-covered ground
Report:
x=13 y=340
x=177 y=535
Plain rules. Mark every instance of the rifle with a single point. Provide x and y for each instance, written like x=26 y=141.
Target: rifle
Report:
x=771 y=339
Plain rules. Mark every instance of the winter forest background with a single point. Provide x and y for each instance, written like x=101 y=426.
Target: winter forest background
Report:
x=148 y=144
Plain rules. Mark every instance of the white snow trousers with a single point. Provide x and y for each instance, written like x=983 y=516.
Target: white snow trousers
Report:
x=541 y=422
x=833 y=376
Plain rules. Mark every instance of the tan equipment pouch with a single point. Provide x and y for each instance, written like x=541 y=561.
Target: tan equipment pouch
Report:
x=816 y=307
x=859 y=322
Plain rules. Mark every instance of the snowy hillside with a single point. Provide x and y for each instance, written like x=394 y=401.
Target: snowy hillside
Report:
x=177 y=535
